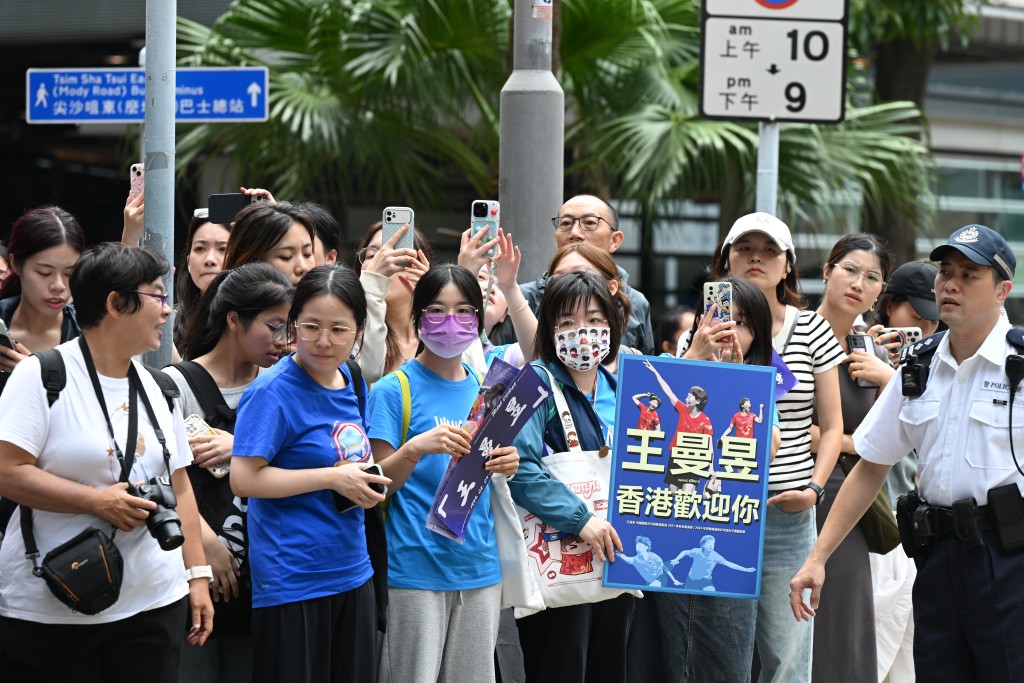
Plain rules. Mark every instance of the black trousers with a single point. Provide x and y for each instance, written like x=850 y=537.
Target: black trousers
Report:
x=324 y=640
x=143 y=647
x=578 y=644
x=969 y=613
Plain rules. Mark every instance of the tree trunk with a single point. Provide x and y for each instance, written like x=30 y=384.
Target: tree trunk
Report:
x=901 y=73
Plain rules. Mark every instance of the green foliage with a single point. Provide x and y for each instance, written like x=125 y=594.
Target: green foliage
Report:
x=367 y=98
x=921 y=21
x=384 y=98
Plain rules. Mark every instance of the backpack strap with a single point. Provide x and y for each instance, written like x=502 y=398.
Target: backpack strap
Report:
x=403 y=382
x=167 y=386
x=54 y=375
x=215 y=408
x=357 y=383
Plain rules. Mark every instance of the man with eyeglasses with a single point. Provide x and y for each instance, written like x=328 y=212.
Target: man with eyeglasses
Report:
x=590 y=219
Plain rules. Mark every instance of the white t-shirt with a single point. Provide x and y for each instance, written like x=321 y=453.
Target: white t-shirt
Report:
x=70 y=440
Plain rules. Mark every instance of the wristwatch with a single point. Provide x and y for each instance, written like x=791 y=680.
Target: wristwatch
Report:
x=203 y=571
x=817 y=489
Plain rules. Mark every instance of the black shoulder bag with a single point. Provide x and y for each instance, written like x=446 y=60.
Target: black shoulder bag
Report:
x=86 y=572
x=217 y=504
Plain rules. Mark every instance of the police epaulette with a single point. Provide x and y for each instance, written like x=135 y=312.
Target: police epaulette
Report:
x=1015 y=336
x=923 y=348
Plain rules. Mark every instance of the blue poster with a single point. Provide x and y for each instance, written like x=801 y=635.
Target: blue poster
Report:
x=690 y=475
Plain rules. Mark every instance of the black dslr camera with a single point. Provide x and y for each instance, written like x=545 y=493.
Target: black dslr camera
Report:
x=163 y=522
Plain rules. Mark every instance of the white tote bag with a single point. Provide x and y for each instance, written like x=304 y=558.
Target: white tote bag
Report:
x=518 y=584
x=564 y=566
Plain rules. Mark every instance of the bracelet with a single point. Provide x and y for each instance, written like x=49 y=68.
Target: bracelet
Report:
x=526 y=304
x=406 y=456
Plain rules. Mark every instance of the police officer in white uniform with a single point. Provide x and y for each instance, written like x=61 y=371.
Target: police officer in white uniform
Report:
x=965 y=525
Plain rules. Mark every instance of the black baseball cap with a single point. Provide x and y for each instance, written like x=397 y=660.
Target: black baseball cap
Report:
x=915 y=281
x=983 y=246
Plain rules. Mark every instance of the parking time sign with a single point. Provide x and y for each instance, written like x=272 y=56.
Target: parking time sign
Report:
x=774 y=60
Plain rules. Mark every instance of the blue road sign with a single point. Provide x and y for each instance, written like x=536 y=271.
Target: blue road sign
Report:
x=204 y=94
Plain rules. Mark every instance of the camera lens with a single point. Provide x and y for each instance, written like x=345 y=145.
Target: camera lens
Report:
x=479 y=209
x=165 y=526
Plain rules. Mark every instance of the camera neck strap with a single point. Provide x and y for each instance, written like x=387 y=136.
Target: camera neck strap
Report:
x=135 y=389
x=126 y=461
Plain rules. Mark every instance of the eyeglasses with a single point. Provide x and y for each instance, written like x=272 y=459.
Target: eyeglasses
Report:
x=162 y=297
x=590 y=222
x=571 y=324
x=366 y=254
x=280 y=331
x=311 y=332
x=436 y=314
x=851 y=272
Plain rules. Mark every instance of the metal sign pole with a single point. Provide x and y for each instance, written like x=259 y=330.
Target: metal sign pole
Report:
x=158 y=136
x=532 y=140
x=768 y=167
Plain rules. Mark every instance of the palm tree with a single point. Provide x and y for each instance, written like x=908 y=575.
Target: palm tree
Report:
x=367 y=99
x=370 y=98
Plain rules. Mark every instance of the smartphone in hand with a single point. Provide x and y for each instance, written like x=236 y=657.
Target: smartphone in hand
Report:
x=196 y=426
x=861 y=342
x=719 y=294
x=224 y=207
x=136 y=180
x=905 y=336
x=5 y=336
x=485 y=214
x=393 y=218
x=343 y=504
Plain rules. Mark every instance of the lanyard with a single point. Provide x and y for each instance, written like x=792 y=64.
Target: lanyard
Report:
x=134 y=384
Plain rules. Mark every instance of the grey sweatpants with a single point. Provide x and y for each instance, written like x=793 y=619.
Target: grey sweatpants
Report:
x=440 y=636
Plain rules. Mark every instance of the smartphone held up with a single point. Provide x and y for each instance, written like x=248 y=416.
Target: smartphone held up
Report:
x=485 y=214
x=392 y=219
x=137 y=180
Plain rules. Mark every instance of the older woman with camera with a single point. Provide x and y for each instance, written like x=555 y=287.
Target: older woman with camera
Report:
x=103 y=559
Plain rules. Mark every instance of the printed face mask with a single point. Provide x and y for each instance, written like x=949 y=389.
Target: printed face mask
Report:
x=582 y=349
x=450 y=338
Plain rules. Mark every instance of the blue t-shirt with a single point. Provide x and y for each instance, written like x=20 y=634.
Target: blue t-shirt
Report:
x=417 y=557
x=301 y=547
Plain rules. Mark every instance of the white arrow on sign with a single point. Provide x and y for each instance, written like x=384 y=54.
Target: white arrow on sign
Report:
x=440 y=507
x=254 y=91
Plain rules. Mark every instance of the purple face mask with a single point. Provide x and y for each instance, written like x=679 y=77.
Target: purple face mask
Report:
x=450 y=338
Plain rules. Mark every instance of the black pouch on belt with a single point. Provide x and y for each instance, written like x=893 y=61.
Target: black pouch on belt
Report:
x=1008 y=512
x=965 y=523
x=914 y=540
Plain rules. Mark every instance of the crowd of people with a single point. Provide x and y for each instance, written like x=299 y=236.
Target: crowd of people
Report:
x=257 y=510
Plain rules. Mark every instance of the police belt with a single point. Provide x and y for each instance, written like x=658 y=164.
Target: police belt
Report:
x=943 y=520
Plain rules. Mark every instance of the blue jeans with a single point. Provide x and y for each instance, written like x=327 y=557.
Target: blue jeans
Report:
x=694 y=638
x=784 y=645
